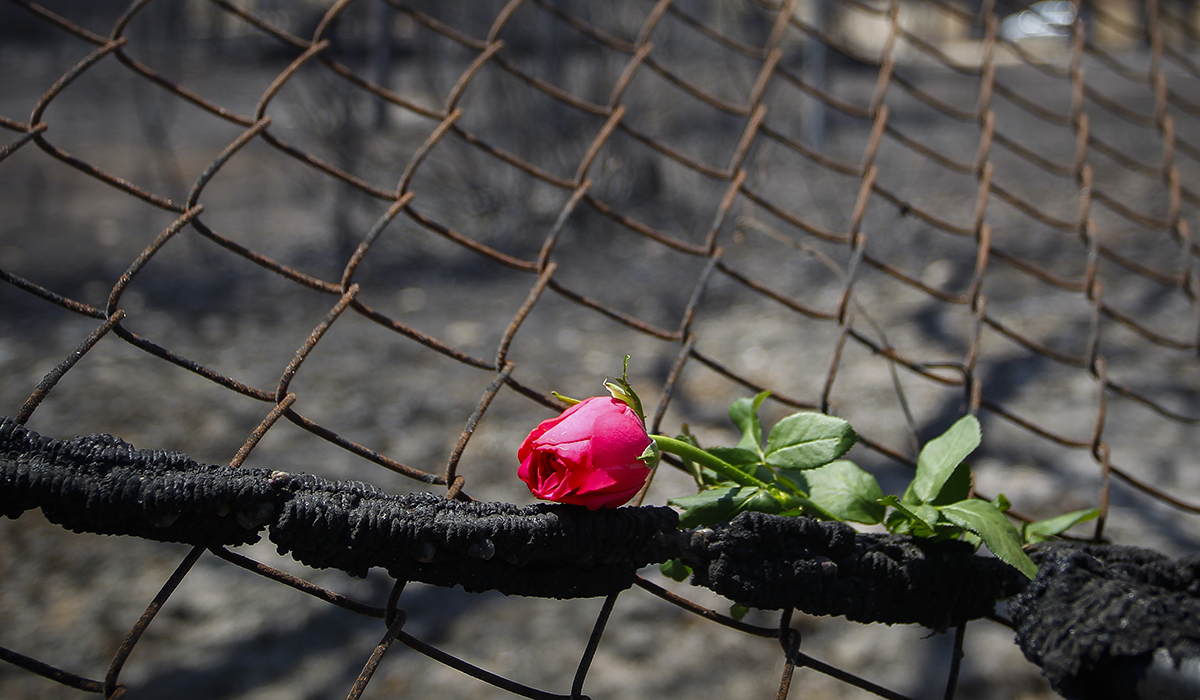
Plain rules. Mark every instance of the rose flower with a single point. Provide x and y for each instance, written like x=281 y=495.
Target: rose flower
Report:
x=589 y=455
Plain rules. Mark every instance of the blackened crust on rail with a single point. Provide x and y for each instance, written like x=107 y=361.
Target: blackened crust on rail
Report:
x=1096 y=615
x=826 y=568
x=554 y=551
x=103 y=485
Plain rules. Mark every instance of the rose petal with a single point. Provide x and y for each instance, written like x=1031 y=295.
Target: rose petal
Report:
x=614 y=480
x=598 y=501
x=560 y=479
x=575 y=423
x=618 y=441
x=587 y=455
x=576 y=452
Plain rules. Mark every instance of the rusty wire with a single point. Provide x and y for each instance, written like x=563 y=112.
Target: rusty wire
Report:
x=1167 y=108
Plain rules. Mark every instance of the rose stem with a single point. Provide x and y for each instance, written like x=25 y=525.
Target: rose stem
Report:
x=718 y=465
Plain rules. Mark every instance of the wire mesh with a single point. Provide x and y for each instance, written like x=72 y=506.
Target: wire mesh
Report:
x=407 y=223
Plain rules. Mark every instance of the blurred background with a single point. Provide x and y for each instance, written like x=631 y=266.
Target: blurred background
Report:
x=897 y=212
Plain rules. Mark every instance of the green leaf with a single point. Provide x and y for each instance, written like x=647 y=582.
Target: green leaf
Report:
x=941 y=457
x=1043 y=530
x=793 y=480
x=720 y=504
x=986 y=520
x=703 y=476
x=808 y=440
x=794 y=496
x=688 y=465
x=761 y=501
x=708 y=507
x=928 y=515
x=745 y=461
x=947 y=530
x=737 y=457
x=1001 y=502
x=903 y=521
x=806 y=507
x=744 y=414
x=900 y=522
x=847 y=492
x=957 y=487
x=675 y=570
x=737 y=611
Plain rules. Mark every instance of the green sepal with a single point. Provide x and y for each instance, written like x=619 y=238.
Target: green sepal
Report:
x=808 y=440
x=650 y=455
x=565 y=399
x=621 y=390
x=675 y=570
x=738 y=611
x=996 y=531
x=1043 y=530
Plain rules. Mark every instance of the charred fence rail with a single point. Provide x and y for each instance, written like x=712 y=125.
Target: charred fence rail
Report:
x=103 y=485
x=1102 y=621
x=1112 y=622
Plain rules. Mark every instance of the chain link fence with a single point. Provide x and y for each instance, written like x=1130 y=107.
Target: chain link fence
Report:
x=368 y=239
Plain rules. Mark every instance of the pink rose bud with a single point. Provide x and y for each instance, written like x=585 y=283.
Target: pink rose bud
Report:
x=588 y=455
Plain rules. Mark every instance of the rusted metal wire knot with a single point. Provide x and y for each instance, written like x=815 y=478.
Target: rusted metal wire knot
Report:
x=101 y=484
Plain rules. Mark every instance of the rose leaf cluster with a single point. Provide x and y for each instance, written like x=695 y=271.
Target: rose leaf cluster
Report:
x=598 y=454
